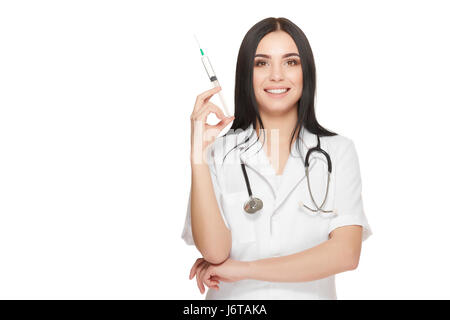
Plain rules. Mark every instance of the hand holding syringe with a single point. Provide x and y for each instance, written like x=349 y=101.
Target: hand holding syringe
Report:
x=212 y=76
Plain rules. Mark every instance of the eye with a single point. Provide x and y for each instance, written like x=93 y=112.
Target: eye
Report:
x=295 y=62
x=258 y=63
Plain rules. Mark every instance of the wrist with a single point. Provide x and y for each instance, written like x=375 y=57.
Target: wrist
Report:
x=198 y=163
x=246 y=267
x=199 y=157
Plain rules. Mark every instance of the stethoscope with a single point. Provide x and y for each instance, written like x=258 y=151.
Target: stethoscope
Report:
x=254 y=204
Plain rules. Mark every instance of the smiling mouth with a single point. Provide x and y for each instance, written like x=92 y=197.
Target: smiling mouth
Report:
x=277 y=93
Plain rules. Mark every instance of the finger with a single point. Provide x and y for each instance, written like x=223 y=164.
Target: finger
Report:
x=199 y=282
x=222 y=124
x=204 y=97
x=199 y=267
x=206 y=277
x=209 y=283
x=207 y=104
x=210 y=108
x=215 y=278
x=202 y=275
x=216 y=281
x=194 y=267
x=212 y=284
x=205 y=110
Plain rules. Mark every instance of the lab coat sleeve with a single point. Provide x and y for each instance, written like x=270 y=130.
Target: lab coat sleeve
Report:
x=348 y=192
x=187 y=230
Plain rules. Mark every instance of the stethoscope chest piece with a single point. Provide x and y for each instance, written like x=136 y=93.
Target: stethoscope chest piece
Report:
x=253 y=205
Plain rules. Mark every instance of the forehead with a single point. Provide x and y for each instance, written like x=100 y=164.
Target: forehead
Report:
x=276 y=43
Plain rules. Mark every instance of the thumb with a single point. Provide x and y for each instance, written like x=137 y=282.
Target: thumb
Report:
x=229 y=119
x=222 y=124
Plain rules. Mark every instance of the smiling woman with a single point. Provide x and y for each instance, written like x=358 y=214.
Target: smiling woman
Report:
x=281 y=250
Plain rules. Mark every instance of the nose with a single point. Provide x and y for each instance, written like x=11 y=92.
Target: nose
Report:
x=276 y=72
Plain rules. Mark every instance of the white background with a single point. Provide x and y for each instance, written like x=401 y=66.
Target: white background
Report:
x=95 y=100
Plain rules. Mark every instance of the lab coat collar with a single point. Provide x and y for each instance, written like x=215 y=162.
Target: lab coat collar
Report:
x=254 y=145
x=294 y=170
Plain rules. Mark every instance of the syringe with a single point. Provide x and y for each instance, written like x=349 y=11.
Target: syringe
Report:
x=212 y=76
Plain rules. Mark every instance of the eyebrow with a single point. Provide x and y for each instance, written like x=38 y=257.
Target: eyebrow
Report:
x=284 y=55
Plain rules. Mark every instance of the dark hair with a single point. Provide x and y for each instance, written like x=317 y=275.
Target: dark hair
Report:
x=246 y=108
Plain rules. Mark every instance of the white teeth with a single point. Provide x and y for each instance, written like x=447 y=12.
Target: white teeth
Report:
x=277 y=90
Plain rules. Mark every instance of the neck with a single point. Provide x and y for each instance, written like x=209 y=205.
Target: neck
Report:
x=279 y=127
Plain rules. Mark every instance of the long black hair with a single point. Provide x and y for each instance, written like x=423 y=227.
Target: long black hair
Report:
x=246 y=108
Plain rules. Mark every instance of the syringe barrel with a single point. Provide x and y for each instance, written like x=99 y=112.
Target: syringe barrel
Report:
x=222 y=99
x=209 y=69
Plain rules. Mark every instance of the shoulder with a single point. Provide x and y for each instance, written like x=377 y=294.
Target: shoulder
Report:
x=339 y=145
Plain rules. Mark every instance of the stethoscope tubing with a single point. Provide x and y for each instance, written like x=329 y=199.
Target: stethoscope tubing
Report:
x=254 y=204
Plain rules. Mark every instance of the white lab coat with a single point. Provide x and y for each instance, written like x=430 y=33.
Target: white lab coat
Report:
x=282 y=227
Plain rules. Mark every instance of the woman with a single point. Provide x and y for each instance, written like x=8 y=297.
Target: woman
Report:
x=284 y=250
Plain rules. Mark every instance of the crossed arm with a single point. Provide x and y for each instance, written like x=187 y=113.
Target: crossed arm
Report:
x=339 y=253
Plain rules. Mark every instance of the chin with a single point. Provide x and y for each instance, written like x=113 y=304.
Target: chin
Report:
x=273 y=110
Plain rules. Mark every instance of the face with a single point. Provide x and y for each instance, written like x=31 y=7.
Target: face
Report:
x=277 y=65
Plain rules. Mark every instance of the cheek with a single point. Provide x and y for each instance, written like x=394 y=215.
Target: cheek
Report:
x=296 y=78
x=258 y=78
x=300 y=79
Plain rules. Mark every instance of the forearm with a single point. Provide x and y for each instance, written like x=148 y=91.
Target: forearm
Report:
x=321 y=261
x=211 y=236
